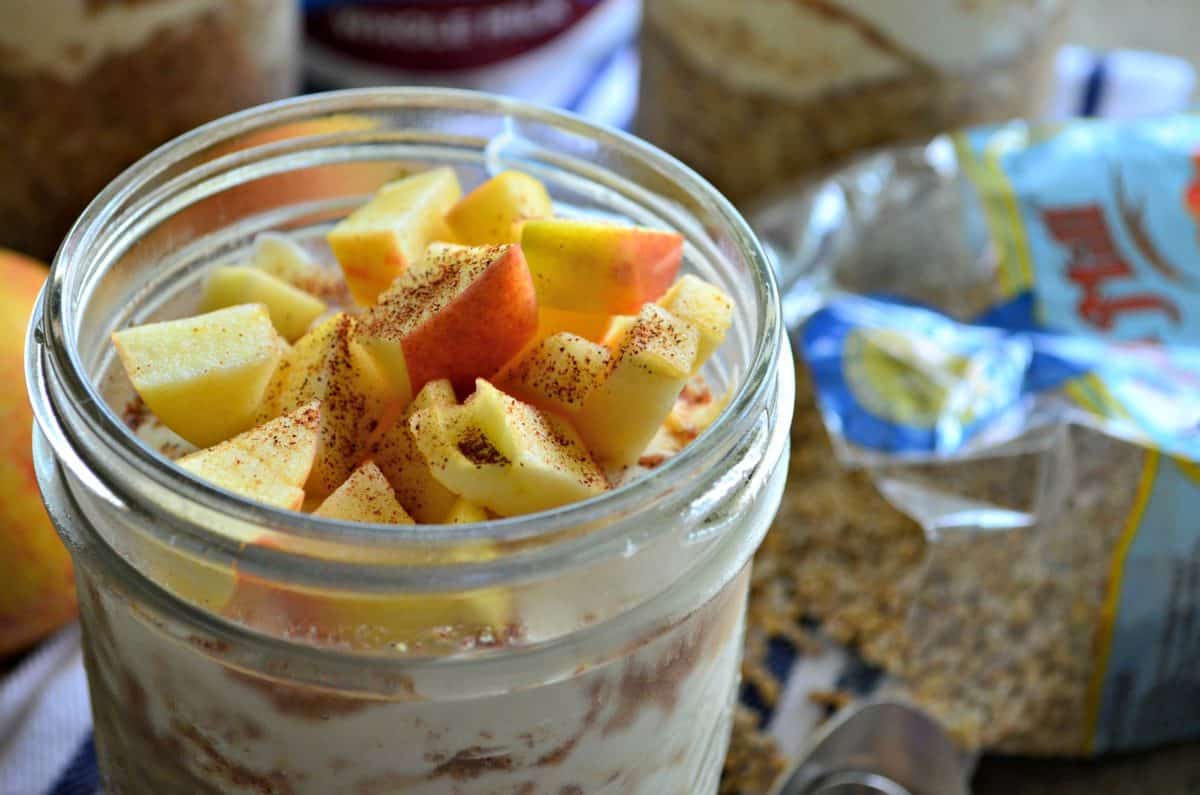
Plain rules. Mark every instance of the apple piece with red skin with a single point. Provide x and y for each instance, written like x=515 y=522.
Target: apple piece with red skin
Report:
x=461 y=315
x=599 y=268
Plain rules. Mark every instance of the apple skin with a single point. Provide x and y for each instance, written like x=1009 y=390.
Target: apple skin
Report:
x=37 y=584
x=481 y=329
x=599 y=268
x=462 y=315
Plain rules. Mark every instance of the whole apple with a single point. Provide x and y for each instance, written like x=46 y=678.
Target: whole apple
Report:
x=37 y=587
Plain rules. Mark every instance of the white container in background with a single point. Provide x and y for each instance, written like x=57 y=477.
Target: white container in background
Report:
x=545 y=51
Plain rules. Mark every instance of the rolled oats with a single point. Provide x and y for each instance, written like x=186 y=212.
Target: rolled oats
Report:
x=75 y=110
x=717 y=92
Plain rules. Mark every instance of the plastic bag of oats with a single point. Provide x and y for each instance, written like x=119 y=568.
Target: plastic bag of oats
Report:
x=996 y=465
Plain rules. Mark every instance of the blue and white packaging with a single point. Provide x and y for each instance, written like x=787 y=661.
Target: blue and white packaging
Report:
x=971 y=299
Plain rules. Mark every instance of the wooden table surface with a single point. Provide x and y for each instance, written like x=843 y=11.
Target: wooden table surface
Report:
x=1167 y=771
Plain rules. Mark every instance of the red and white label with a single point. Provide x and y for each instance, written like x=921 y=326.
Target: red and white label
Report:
x=441 y=35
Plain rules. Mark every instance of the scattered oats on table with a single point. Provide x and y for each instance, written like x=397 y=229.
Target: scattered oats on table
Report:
x=991 y=633
x=753 y=761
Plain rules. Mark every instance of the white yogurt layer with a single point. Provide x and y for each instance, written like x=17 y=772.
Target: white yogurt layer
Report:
x=653 y=721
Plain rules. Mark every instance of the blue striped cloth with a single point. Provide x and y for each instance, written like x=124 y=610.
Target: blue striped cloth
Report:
x=46 y=743
x=45 y=723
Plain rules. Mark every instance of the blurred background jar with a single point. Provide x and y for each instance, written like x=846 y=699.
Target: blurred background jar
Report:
x=1165 y=26
x=545 y=51
x=757 y=92
x=89 y=86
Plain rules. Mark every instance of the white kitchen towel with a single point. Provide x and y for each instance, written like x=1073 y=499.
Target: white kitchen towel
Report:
x=45 y=726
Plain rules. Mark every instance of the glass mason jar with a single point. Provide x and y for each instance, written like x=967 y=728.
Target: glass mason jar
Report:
x=89 y=86
x=614 y=669
x=759 y=92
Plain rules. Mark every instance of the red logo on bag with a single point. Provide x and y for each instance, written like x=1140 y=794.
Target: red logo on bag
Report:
x=1096 y=264
x=1191 y=196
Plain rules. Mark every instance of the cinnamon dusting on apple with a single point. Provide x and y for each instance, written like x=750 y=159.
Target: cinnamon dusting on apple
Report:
x=360 y=419
x=478 y=450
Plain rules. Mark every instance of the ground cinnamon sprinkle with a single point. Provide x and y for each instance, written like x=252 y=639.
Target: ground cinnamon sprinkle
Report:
x=347 y=415
x=479 y=450
x=560 y=374
x=471 y=763
x=135 y=414
x=655 y=332
x=420 y=293
x=328 y=285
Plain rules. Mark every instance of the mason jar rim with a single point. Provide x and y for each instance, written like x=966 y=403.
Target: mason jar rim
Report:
x=63 y=393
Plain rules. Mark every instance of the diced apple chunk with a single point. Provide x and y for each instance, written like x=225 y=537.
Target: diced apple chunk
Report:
x=655 y=357
x=460 y=315
x=396 y=453
x=494 y=212
x=268 y=464
x=380 y=240
x=408 y=622
x=366 y=496
x=506 y=455
x=326 y=365
x=183 y=369
x=280 y=256
x=591 y=327
x=599 y=268
x=465 y=512
x=291 y=309
x=704 y=306
x=695 y=410
x=617 y=329
x=556 y=374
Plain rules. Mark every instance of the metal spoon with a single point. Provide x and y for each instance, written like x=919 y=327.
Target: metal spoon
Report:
x=879 y=748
